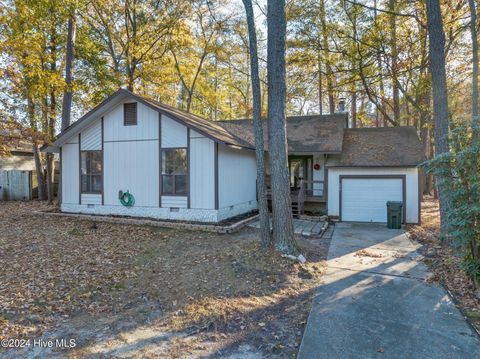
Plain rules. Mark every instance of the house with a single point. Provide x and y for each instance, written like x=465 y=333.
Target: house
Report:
x=17 y=170
x=351 y=173
x=20 y=156
x=179 y=166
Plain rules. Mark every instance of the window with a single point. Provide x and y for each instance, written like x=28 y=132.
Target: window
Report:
x=174 y=171
x=130 y=114
x=91 y=171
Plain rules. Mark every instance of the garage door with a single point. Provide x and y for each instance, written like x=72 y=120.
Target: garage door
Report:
x=364 y=199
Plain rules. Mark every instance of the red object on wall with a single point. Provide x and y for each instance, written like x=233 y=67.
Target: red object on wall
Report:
x=316 y=166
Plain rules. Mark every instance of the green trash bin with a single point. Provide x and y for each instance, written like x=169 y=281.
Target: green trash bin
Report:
x=394 y=214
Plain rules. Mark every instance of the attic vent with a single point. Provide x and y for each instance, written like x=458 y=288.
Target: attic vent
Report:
x=130 y=114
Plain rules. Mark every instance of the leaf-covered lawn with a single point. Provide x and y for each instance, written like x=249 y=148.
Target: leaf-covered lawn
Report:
x=211 y=293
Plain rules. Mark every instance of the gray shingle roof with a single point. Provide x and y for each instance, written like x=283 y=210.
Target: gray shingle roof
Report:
x=380 y=147
x=365 y=147
x=317 y=133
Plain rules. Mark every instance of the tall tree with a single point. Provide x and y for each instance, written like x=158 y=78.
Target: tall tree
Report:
x=49 y=24
x=394 y=60
x=276 y=76
x=35 y=148
x=209 y=30
x=436 y=37
x=134 y=33
x=258 y=126
x=29 y=42
x=326 y=57
x=475 y=94
x=69 y=63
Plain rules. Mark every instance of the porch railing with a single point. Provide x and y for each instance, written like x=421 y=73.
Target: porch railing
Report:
x=305 y=191
x=314 y=188
x=310 y=188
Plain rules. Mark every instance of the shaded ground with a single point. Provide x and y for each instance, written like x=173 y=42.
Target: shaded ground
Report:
x=375 y=300
x=124 y=290
x=444 y=262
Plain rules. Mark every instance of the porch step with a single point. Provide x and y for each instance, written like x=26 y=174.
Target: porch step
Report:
x=296 y=208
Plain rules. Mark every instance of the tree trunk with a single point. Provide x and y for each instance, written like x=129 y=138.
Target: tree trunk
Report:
x=36 y=154
x=276 y=74
x=68 y=93
x=475 y=95
x=363 y=109
x=51 y=117
x=130 y=80
x=436 y=37
x=423 y=123
x=258 y=128
x=328 y=65
x=49 y=166
x=69 y=64
x=394 y=55
x=320 y=85
x=39 y=171
x=426 y=141
x=380 y=116
x=354 y=109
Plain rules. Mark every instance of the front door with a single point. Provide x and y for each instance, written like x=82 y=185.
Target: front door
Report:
x=300 y=167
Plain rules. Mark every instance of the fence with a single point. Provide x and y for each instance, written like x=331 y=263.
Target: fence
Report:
x=15 y=185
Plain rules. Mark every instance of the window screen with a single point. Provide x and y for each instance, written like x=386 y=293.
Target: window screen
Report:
x=130 y=114
x=91 y=171
x=174 y=171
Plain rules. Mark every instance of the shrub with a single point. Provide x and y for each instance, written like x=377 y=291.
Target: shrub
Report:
x=458 y=171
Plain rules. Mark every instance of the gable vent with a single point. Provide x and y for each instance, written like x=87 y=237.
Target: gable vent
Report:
x=130 y=114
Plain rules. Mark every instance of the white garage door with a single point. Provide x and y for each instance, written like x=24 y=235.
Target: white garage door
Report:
x=364 y=199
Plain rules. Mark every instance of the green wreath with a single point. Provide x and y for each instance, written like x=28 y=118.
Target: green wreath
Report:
x=126 y=198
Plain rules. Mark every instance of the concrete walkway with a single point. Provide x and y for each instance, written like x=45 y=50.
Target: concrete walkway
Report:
x=305 y=227
x=375 y=303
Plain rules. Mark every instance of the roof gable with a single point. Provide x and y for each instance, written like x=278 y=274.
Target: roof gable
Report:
x=204 y=127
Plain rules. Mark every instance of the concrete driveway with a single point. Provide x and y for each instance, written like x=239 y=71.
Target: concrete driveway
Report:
x=375 y=303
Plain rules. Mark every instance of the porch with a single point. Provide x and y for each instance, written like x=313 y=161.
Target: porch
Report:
x=304 y=195
x=307 y=184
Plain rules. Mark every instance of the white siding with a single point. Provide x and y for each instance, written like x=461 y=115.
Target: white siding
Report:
x=89 y=198
x=91 y=138
x=146 y=128
x=202 y=171
x=237 y=175
x=412 y=187
x=174 y=202
x=131 y=162
x=132 y=166
x=174 y=134
x=319 y=175
x=70 y=174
